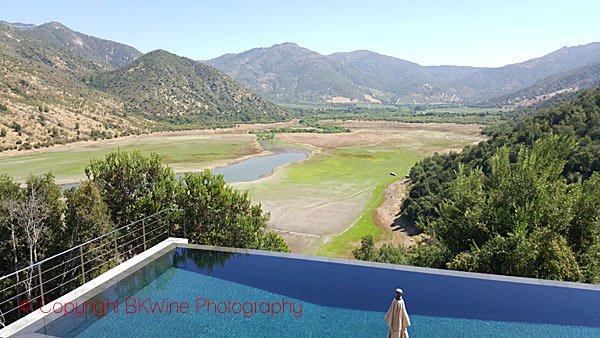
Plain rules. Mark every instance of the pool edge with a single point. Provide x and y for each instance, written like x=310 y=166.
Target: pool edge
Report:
x=452 y=273
x=37 y=319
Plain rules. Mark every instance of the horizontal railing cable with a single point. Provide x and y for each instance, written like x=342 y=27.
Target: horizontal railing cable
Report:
x=58 y=274
x=85 y=243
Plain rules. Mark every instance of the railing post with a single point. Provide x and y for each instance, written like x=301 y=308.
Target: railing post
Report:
x=116 y=250
x=41 y=283
x=168 y=226
x=184 y=234
x=81 y=258
x=144 y=233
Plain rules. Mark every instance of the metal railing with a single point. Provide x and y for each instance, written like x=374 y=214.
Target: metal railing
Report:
x=29 y=288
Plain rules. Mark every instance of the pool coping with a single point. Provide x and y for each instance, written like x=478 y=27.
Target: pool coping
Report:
x=37 y=319
x=27 y=325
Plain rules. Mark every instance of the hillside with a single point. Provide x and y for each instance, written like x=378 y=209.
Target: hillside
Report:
x=164 y=87
x=495 y=82
x=408 y=81
x=43 y=101
x=288 y=72
x=51 y=93
x=571 y=81
x=109 y=52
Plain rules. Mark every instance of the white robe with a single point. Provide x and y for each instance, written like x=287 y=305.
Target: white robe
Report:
x=397 y=319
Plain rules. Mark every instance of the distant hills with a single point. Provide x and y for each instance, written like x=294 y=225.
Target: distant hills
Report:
x=287 y=72
x=59 y=86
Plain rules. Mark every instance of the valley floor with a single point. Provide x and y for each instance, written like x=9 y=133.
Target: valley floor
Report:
x=322 y=205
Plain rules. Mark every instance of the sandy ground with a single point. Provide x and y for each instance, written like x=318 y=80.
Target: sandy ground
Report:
x=387 y=216
x=305 y=221
x=419 y=137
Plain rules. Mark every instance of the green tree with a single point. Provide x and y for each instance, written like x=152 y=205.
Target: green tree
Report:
x=132 y=185
x=518 y=221
x=87 y=215
x=216 y=214
x=44 y=187
x=367 y=251
x=9 y=232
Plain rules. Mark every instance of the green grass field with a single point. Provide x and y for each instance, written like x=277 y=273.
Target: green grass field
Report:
x=190 y=152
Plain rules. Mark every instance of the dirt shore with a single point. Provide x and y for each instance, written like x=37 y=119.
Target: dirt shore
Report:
x=387 y=216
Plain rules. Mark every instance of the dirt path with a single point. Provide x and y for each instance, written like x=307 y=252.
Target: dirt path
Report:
x=387 y=215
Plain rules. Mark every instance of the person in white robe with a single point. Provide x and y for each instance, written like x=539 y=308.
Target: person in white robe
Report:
x=397 y=317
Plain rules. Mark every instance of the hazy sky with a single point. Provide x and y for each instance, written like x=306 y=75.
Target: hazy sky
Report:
x=474 y=33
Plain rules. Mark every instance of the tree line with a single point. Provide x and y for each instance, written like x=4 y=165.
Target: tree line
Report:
x=525 y=203
x=38 y=221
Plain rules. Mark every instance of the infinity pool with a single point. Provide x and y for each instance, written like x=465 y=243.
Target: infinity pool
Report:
x=324 y=299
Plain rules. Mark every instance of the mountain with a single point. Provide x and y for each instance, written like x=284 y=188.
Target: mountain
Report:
x=494 y=82
x=57 y=35
x=407 y=80
x=51 y=94
x=44 y=102
x=288 y=72
x=165 y=87
x=17 y=24
x=571 y=81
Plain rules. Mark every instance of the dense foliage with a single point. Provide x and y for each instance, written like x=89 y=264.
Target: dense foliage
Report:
x=526 y=202
x=442 y=113
x=315 y=127
x=121 y=188
x=37 y=222
x=168 y=88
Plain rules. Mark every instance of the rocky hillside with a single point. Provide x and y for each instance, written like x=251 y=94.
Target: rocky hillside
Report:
x=44 y=102
x=546 y=88
x=105 y=51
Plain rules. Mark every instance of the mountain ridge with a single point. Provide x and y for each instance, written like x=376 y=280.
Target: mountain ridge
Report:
x=368 y=76
x=102 y=50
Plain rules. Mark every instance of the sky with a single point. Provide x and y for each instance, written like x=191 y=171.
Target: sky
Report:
x=441 y=32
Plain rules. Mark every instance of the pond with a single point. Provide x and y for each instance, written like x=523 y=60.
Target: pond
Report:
x=247 y=170
x=254 y=168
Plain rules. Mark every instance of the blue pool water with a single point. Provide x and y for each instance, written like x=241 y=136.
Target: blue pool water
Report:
x=338 y=300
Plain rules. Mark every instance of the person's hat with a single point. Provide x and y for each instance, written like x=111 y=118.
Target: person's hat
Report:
x=398 y=290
